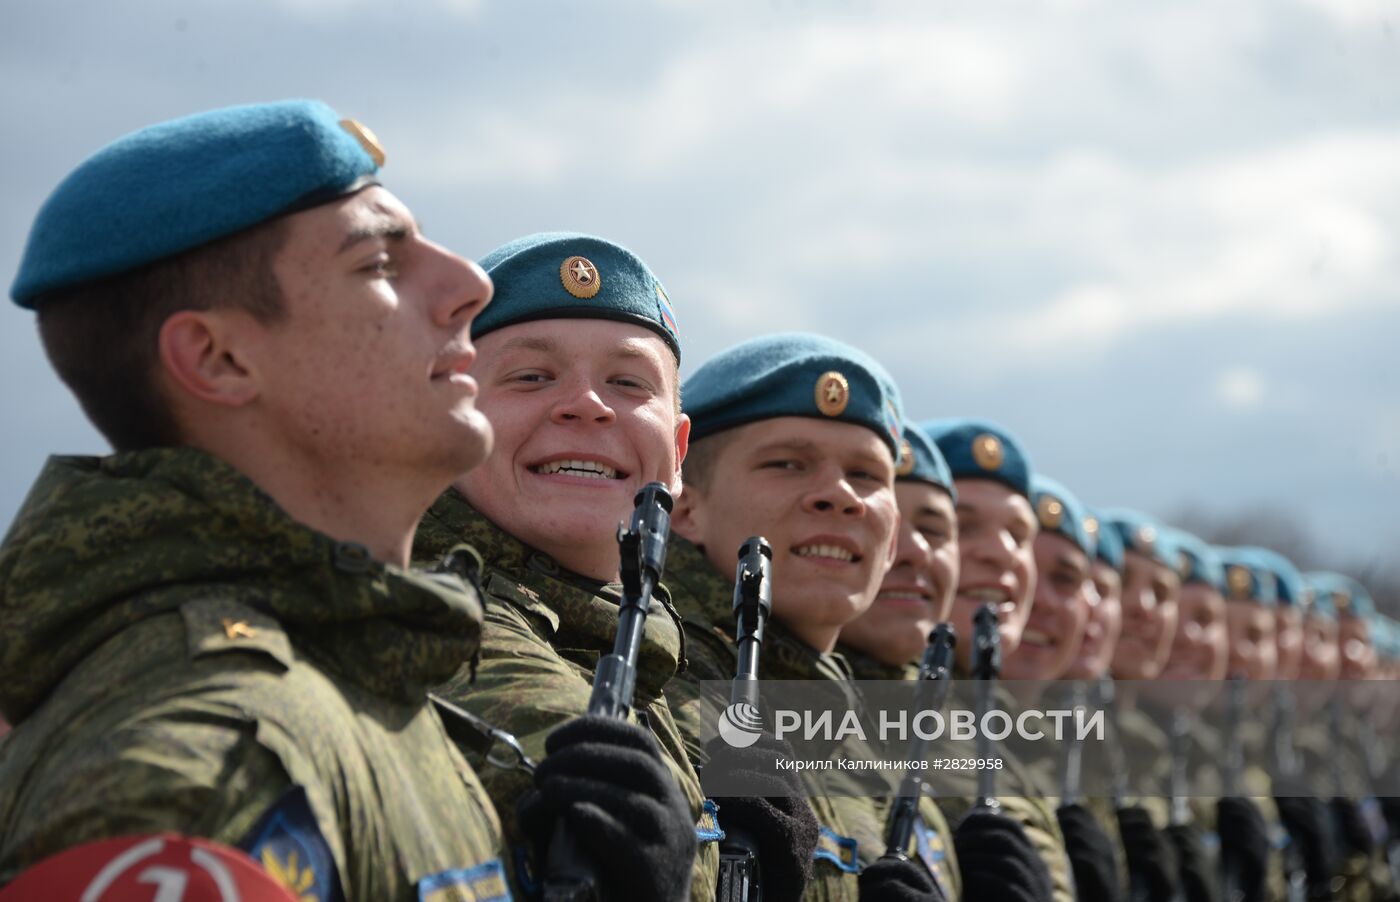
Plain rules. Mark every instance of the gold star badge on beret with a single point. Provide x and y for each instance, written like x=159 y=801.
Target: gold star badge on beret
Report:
x=906 y=459
x=987 y=451
x=1341 y=600
x=1146 y=538
x=368 y=139
x=833 y=393
x=1091 y=526
x=580 y=277
x=1050 y=511
x=1239 y=581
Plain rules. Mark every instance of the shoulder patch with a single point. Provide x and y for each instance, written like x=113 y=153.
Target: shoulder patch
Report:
x=483 y=883
x=214 y=626
x=932 y=851
x=707 y=829
x=837 y=849
x=288 y=843
x=501 y=588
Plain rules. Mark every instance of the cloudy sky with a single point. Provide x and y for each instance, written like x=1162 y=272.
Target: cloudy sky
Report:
x=1157 y=240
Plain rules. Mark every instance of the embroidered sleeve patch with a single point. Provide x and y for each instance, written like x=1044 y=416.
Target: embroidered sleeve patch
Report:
x=837 y=849
x=928 y=842
x=483 y=883
x=707 y=829
x=288 y=843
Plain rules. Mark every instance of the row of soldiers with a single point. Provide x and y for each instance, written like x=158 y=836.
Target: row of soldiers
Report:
x=345 y=616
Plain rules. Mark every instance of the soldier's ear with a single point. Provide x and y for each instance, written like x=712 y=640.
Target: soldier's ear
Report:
x=688 y=514
x=202 y=355
x=682 y=448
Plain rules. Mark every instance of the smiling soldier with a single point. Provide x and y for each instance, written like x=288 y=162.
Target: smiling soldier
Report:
x=796 y=438
x=579 y=372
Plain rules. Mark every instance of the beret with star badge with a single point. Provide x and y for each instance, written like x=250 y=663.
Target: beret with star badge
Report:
x=978 y=449
x=567 y=275
x=1059 y=511
x=920 y=459
x=1141 y=534
x=1289 y=586
x=793 y=374
x=1343 y=594
x=1246 y=579
x=177 y=185
x=1107 y=546
x=1198 y=562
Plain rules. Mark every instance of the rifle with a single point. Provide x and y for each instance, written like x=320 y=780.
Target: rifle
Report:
x=569 y=877
x=1231 y=890
x=1181 y=752
x=1073 y=767
x=930 y=694
x=739 y=865
x=986 y=667
x=1288 y=767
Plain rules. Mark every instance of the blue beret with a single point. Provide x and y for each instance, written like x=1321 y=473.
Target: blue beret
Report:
x=793 y=375
x=174 y=186
x=1288 y=582
x=978 y=449
x=1319 y=597
x=566 y=275
x=1246 y=578
x=1142 y=534
x=920 y=459
x=1198 y=561
x=1107 y=546
x=1059 y=511
x=1342 y=593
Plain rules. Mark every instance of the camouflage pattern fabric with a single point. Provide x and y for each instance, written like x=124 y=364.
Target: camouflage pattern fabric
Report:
x=545 y=631
x=178 y=654
x=705 y=599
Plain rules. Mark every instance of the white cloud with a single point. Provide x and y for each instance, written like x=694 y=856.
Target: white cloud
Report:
x=1240 y=386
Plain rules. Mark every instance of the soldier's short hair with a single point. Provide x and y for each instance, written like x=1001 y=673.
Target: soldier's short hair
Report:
x=101 y=336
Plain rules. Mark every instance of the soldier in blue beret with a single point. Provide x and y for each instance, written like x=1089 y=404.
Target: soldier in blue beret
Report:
x=214 y=630
x=1105 y=622
x=996 y=526
x=1251 y=596
x=1288 y=613
x=1151 y=591
x=886 y=641
x=1201 y=647
x=1064 y=585
x=1354 y=609
x=794 y=437
x=1321 y=659
x=578 y=369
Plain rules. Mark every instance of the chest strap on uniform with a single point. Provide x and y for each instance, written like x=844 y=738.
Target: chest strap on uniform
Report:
x=499 y=748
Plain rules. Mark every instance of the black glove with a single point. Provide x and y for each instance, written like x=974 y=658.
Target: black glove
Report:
x=776 y=816
x=1090 y=854
x=1305 y=819
x=604 y=781
x=1198 y=878
x=1151 y=859
x=1244 y=841
x=1390 y=807
x=1354 y=836
x=895 y=878
x=998 y=861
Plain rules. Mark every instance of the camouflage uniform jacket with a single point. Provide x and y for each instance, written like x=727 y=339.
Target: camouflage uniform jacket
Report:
x=852 y=826
x=546 y=628
x=179 y=654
